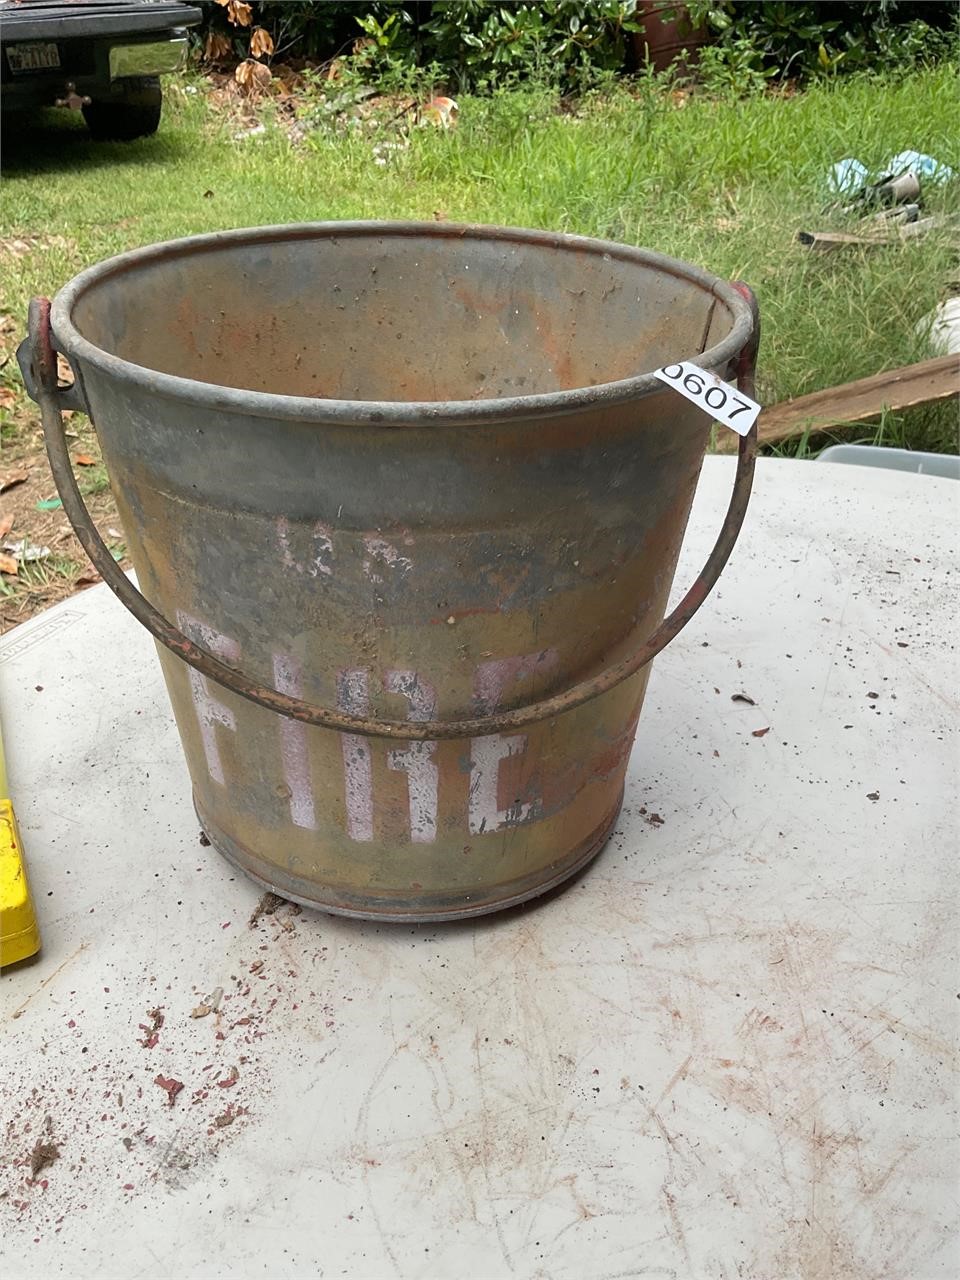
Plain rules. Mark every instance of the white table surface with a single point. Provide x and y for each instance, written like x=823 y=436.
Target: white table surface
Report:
x=728 y=1050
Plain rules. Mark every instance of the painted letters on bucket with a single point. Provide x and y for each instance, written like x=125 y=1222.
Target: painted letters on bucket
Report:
x=416 y=759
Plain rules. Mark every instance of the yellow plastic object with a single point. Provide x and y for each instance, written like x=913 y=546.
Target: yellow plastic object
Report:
x=19 y=935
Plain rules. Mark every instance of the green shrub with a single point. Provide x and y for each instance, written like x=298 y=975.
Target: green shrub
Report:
x=563 y=41
x=800 y=38
x=475 y=44
x=482 y=45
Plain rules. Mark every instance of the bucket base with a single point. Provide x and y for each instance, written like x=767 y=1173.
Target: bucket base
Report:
x=422 y=910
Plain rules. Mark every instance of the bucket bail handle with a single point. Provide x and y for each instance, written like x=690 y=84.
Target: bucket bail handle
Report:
x=38 y=362
x=29 y=356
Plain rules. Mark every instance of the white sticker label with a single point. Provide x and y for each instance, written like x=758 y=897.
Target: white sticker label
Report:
x=721 y=401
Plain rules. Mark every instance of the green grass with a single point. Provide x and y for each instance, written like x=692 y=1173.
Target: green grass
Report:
x=38 y=573
x=725 y=184
x=94 y=481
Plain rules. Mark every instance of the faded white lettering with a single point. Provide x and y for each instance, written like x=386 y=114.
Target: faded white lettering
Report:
x=484 y=813
x=288 y=678
x=490 y=683
x=319 y=562
x=382 y=556
x=492 y=678
x=210 y=713
x=416 y=758
x=353 y=696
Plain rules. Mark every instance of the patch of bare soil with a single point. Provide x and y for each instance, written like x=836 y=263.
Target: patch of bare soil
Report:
x=41 y=561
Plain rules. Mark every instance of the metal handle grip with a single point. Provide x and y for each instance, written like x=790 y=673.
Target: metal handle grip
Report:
x=38 y=359
x=67 y=397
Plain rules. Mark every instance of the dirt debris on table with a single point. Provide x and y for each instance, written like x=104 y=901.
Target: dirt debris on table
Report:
x=231 y=1078
x=170 y=1086
x=152 y=1029
x=126 y=1141
x=209 y=1004
x=227 y=1117
x=267 y=906
x=43 y=1155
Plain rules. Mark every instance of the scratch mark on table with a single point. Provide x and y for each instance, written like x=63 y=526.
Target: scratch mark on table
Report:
x=836 y=646
x=362 y=1130
x=677 y=1232
x=674 y=1080
x=945 y=698
x=485 y=1131
x=925 y=1041
x=46 y=982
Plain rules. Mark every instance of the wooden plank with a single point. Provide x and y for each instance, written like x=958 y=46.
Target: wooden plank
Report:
x=904 y=388
x=872 y=236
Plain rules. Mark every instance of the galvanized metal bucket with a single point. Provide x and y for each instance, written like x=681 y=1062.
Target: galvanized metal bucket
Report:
x=405 y=503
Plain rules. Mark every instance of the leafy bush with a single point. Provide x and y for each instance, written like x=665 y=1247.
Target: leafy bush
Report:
x=734 y=66
x=809 y=37
x=472 y=44
x=481 y=45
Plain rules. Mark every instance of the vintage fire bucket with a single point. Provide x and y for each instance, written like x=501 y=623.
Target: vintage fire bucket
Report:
x=404 y=502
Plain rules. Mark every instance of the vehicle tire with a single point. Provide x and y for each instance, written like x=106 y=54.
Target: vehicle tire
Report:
x=132 y=112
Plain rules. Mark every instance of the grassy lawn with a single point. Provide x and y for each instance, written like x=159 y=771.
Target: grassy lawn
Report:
x=725 y=184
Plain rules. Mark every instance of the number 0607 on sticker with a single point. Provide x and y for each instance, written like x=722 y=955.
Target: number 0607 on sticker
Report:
x=721 y=401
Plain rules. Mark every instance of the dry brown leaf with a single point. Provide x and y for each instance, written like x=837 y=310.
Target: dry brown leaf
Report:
x=441 y=112
x=6 y=524
x=12 y=480
x=252 y=77
x=217 y=47
x=87 y=579
x=16 y=247
x=261 y=43
x=19 y=246
x=240 y=14
x=8 y=564
x=84 y=460
x=8 y=397
x=761 y=733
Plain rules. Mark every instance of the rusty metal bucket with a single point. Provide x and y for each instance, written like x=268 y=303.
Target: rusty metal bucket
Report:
x=405 y=503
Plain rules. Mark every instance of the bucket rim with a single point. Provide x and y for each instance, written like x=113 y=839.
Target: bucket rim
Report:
x=318 y=410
